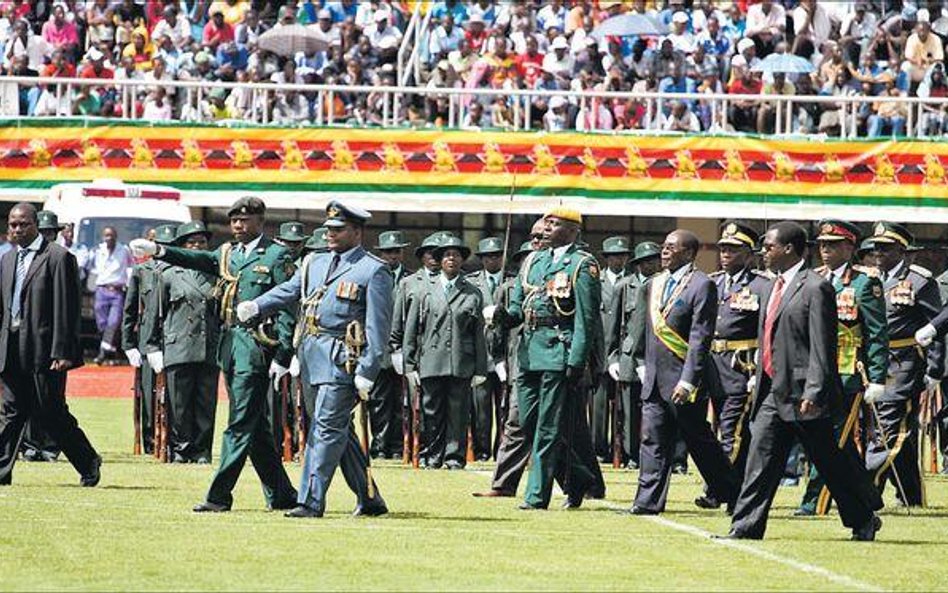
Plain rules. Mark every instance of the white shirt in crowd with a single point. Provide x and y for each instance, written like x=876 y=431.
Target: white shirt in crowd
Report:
x=111 y=269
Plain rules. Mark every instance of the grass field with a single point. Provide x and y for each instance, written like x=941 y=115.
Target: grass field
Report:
x=136 y=532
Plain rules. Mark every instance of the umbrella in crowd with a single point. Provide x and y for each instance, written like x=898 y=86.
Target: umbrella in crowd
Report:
x=290 y=39
x=629 y=24
x=940 y=26
x=787 y=63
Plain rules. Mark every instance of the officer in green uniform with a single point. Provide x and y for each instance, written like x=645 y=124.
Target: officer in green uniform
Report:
x=139 y=322
x=189 y=330
x=486 y=399
x=557 y=301
x=941 y=415
x=615 y=252
x=250 y=360
x=292 y=236
x=862 y=345
x=387 y=397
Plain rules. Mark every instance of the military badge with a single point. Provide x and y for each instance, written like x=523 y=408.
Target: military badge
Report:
x=846 y=308
x=261 y=269
x=879 y=230
x=730 y=229
x=348 y=291
x=826 y=229
x=745 y=300
x=594 y=270
x=559 y=287
x=903 y=294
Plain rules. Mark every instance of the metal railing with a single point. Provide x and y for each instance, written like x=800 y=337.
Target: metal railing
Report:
x=259 y=102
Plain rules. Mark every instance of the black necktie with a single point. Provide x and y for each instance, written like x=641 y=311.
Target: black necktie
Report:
x=332 y=266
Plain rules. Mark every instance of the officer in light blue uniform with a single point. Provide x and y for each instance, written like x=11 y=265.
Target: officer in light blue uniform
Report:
x=345 y=303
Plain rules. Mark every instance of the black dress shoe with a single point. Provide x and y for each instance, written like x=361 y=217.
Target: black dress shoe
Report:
x=370 y=511
x=303 y=512
x=706 y=501
x=572 y=502
x=734 y=534
x=31 y=454
x=210 y=507
x=92 y=478
x=453 y=465
x=867 y=532
x=283 y=506
x=526 y=506
x=637 y=510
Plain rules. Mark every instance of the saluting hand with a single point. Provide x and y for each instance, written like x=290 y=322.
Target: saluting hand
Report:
x=142 y=248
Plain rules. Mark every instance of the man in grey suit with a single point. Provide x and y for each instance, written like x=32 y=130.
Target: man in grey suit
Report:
x=445 y=350
x=798 y=386
x=346 y=319
x=679 y=377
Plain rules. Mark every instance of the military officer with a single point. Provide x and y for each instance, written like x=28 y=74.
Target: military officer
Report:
x=189 y=330
x=862 y=345
x=487 y=397
x=386 y=399
x=250 y=360
x=346 y=298
x=912 y=301
x=734 y=345
x=293 y=237
x=942 y=416
x=445 y=351
x=557 y=300
x=139 y=323
x=615 y=252
x=627 y=327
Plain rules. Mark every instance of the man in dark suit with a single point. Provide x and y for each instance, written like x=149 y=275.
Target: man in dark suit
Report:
x=679 y=376
x=39 y=342
x=798 y=387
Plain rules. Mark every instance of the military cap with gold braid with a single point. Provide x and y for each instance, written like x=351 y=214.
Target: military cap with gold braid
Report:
x=338 y=214
x=737 y=234
x=891 y=232
x=838 y=230
x=564 y=213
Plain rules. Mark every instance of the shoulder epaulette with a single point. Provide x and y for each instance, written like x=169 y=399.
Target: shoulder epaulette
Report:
x=765 y=274
x=871 y=271
x=820 y=269
x=376 y=258
x=923 y=272
x=716 y=274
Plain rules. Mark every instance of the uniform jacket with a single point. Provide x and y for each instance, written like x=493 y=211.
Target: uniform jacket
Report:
x=738 y=313
x=804 y=347
x=49 y=314
x=495 y=340
x=558 y=331
x=608 y=294
x=405 y=291
x=359 y=289
x=690 y=312
x=140 y=313
x=626 y=326
x=190 y=326
x=264 y=268
x=444 y=336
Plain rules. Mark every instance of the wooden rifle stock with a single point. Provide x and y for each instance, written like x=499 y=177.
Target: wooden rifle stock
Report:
x=617 y=425
x=287 y=440
x=161 y=419
x=416 y=426
x=137 y=410
x=406 y=422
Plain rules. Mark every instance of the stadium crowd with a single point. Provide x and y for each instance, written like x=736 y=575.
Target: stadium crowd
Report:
x=861 y=48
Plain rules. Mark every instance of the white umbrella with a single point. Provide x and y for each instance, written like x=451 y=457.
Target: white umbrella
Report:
x=290 y=39
x=629 y=24
x=787 y=63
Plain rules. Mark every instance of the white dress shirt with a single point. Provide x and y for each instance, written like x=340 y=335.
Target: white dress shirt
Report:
x=111 y=269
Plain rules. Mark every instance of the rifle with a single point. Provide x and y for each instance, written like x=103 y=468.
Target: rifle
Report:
x=416 y=426
x=285 y=418
x=930 y=407
x=137 y=410
x=617 y=424
x=301 y=432
x=161 y=419
x=406 y=422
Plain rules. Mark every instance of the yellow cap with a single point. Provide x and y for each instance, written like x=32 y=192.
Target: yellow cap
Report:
x=564 y=213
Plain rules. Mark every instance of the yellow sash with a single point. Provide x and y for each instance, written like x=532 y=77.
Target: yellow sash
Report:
x=665 y=334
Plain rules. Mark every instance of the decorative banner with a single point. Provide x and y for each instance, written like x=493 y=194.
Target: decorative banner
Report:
x=404 y=169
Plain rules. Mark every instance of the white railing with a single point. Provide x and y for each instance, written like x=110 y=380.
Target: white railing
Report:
x=194 y=92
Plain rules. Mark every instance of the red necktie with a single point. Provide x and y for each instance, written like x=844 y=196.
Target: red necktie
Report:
x=772 y=306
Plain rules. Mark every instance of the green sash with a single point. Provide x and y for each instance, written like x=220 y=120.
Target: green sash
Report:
x=665 y=334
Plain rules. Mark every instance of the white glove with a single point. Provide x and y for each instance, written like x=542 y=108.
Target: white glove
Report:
x=398 y=362
x=874 y=391
x=477 y=380
x=413 y=378
x=488 y=313
x=363 y=387
x=156 y=360
x=142 y=248
x=640 y=371
x=752 y=384
x=276 y=373
x=931 y=382
x=501 y=370
x=247 y=310
x=926 y=335
x=134 y=357
x=294 y=367
x=614 y=371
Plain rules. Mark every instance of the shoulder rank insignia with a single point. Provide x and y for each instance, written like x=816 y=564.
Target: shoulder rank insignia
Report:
x=903 y=293
x=594 y=271
x=846 y=308
x=745 y=300
x=871 y=271
x=923 y=272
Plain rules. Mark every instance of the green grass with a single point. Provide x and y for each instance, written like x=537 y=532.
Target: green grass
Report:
x=136 y=532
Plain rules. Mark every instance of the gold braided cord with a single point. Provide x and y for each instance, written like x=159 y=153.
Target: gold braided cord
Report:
x=226 y=288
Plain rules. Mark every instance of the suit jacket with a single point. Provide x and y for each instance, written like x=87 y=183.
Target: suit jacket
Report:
x=690 y=313
x=444 y=337
x=189 y=326
x=804 y=347
x=49 y=314
x=359 y=289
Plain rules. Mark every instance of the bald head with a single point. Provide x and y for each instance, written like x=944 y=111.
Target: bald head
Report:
x=680 y=248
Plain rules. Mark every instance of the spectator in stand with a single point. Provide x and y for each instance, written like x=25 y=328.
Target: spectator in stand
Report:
x=24 y=43
x=291 y=108
x=832 y=122
x=95 y=68
x=766 y=24
x=384 y=36
x=806 y=113
x=500 y=115
x=474 y=118
x=681 y=40
x=833 y=63
x=715 y=43
x=27 y=95
x=453 y=7
x=529 y=64
x=887 y=115
x=60 y=33
x=232 y=59
x=933 y=120
x=522 y=32
x=157 y=106
x=159 y=76
x=59 y=66
x=554 y=120
x=743 y=114
x=100 y=23
x=747 y=52
x=444 y=39
x=735 y=25
x=553 y=15
x=698 y=66
x=247 y=32
x=51 y=103
x=922 y=49
x=811 y=27
x=594 y=115
x=140 y=50
x=171 y=55
x=767 y=112
x=681 y=119
x=217 y=31
x=710 y=85
x=215 y=107
x=475 y=34
x=857 y=31
x=668 y=66
x=174 y=25
x=232 y=10
x=128 y=16
x=559 y=62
